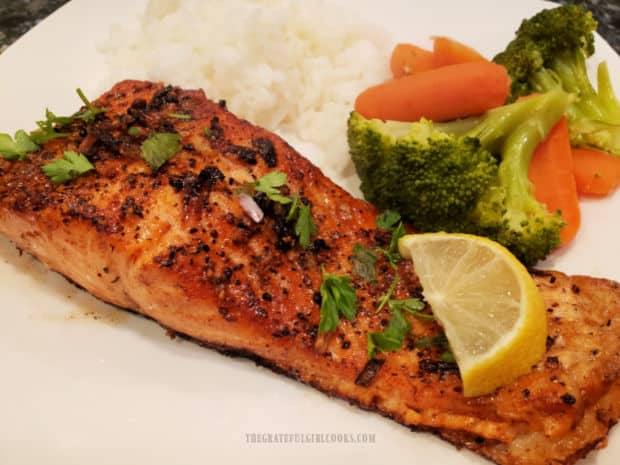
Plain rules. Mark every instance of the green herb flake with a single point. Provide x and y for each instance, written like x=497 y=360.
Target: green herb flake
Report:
x=397 y=233
x=182 y=116
x=72 y=165
x=384 y=299
x=16 y=148
x=412 y=306
x=448 y=356
x=441 y=341
x=91 y=111
x=438 y=340
x=391 y=338
x=337 y=298
x=364 y=262
x=270 y=186
x=293 y=209
x=305 y=228
x=160 y=147
x=49 y=128
x=390 y=221
x=387 y=220
x=134 y=131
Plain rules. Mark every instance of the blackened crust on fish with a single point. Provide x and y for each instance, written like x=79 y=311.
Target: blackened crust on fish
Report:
x=369 y=372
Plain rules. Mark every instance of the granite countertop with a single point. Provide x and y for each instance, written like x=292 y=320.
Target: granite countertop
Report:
x=18 y=16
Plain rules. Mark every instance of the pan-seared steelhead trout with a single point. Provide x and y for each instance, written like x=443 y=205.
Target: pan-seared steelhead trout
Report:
x=174 y=243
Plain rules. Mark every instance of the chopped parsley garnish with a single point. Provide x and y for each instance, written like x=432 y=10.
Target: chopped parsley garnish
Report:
x=304 y=226
x=270 y=185
x=439 y=340
x=160 y=147
x=337 y=298
x=384 y=299
x=412 y=306
x=49 y=127
x=387 y=220
x=293 y=209
x=391 y=338
x=134 y=131
x=72 y=165
x=16 y=148
x=364 y=262
x=390 y=221
x=448 y=356
x=91 y=111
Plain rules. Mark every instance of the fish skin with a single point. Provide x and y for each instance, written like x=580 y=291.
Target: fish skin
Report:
x=176 y=246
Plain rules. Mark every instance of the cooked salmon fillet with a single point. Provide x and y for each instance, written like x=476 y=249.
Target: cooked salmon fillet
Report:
x=175 y=245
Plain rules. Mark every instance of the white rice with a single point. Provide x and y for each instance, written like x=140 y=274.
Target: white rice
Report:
x=294 y=67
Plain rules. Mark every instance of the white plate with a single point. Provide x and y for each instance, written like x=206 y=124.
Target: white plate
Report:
x=84 y=383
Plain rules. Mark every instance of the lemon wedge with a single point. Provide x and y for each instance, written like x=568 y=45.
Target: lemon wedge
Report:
x=487 y=303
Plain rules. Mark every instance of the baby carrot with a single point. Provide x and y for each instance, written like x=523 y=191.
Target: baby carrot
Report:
x=408 y=59
x=447 y=51
x=551 y=173
x=440 y=94
x=596 y=173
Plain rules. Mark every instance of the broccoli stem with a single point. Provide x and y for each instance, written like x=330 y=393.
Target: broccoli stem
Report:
x=519 y=145
x=602 y=106
x=501 y=121
x=606 y=94
x=458 y=127
x=545 y=80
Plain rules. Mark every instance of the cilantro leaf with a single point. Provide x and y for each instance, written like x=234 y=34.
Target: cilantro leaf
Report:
x=337 y=298
x=270 y=185
x=329 y=315
x=17 y=147
x=364 y=261
x=72 y=165
x=387 y=220
x=439 y=340
x=397 y=233
x=91 y=111
x=391 y=338
x=305 y=227
x=386 y=297
x=412 y=306
x=448 y=356
x=390 y=221
x=160 y=147
x=49 y=127
x=293 y=209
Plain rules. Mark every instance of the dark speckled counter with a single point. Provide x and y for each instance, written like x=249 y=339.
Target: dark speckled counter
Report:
x=18 y=16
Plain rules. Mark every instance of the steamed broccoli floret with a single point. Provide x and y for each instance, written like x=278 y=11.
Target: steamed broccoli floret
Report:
x=466 y=176
x=550 y=50
x=425 y=158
